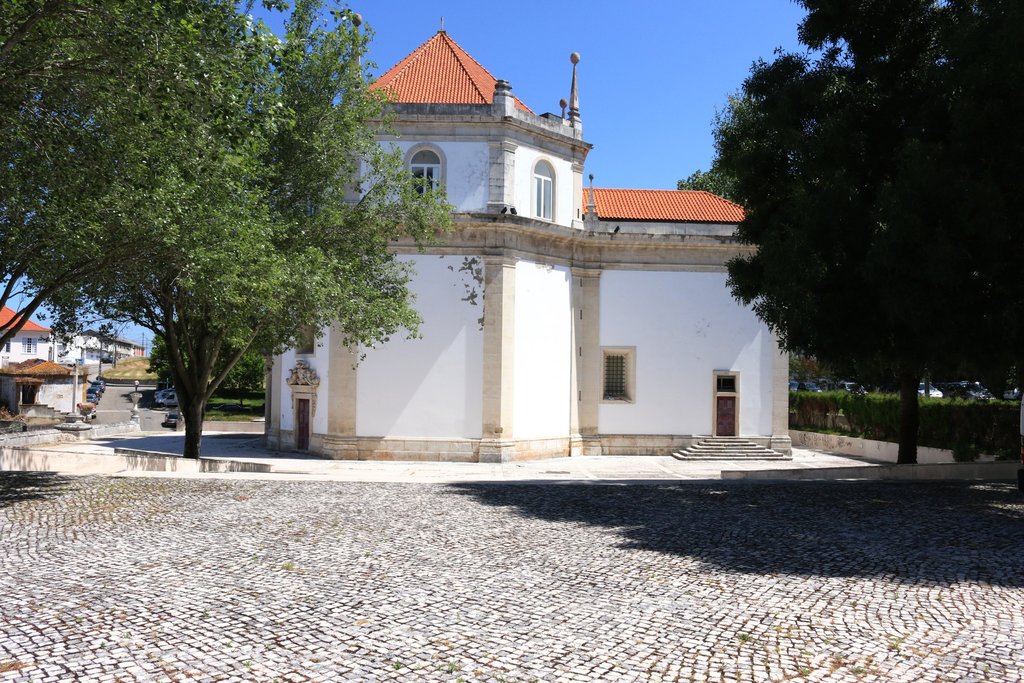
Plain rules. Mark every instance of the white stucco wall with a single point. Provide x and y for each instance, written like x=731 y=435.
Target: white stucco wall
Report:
x=432 y=386
x=684 y=325
x=14 y=350
x=465 y=170
x=543 y=348
x=564 y=209
x=318 y=361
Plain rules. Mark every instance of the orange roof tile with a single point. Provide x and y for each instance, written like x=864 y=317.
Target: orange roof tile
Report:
x=439 y=72
x=691 y=206
x=6 y=315
x=38 y=368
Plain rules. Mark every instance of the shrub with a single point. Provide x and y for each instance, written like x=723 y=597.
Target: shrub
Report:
x=967 y=427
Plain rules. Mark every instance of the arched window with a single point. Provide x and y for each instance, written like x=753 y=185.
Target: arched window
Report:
x=543 y=190
x=426 y=169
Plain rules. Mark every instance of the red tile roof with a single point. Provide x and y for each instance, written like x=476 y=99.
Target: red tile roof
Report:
x=37 y=367
x=7 y=314
x=690 y=206
x=439 y=72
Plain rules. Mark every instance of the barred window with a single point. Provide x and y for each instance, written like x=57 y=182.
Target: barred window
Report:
x=618 y=375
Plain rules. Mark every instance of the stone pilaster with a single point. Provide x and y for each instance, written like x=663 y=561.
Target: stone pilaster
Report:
x=340 y=441
x=496 y=444
x=577 y=195
x=780 y=400
x=586 y=362
x=275 y=406
x=501 y=183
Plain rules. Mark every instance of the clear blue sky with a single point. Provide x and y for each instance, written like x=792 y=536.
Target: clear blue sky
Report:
x=651 y=74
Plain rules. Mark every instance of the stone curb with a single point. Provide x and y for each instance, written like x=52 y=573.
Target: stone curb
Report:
x=931 y=472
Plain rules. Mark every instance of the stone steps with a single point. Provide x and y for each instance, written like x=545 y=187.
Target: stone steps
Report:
x=728 y=448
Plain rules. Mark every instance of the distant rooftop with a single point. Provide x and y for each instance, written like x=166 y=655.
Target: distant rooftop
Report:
x=690 y=206
x=6 y=315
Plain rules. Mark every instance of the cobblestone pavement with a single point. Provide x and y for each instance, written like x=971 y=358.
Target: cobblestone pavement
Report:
x=214 y=580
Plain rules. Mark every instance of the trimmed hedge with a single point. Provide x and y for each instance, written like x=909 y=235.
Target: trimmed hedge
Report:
x=964 y=426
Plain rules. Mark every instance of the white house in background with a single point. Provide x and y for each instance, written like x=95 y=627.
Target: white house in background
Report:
x=93 y=347
x=33 y=341
x=559 y=319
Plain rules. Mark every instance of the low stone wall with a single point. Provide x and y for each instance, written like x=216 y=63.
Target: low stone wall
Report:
x=42 y=437
x=958 y=471
x=879 y=451
x=122 y=460
x=248 y=427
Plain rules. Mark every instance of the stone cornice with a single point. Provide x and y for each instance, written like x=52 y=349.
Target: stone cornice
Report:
x=522 y=237
x=482 y=125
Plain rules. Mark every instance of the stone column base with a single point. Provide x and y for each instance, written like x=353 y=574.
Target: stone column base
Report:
x=782 y=443
x=584 y=445
x=340 y=448
x=497 y=450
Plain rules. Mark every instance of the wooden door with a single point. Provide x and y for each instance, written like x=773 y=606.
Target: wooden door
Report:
x=302 y=424
x=725 y=420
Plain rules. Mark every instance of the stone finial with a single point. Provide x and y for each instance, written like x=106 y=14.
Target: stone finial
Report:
x=574 y=96
x=563 y=104
x=591 y=204
x=357 y=21
x=504 y=102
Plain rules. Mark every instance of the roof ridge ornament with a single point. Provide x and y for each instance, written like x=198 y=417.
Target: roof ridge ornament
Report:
x=441 y=30
x=574 y=97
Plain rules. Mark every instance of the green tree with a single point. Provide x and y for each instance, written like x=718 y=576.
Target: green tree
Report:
x=70 y=167
x=714 y=181
x=879 y=173
x=271 y=205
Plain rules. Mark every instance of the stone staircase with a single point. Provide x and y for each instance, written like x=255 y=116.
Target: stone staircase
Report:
x=728 y=448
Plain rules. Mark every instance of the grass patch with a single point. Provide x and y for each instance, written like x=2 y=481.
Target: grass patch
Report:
x=130 y=369
x=240 y=405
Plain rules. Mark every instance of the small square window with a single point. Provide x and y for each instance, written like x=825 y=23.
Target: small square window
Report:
x=726 y=384
x=619 y=380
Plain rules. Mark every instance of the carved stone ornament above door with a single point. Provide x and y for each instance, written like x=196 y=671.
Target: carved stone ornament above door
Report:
x=304 y=383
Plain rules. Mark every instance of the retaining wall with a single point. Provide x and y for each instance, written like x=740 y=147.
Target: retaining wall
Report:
x=879 y=451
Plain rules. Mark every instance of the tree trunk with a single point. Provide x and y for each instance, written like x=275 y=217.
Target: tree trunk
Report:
x=909 y=418
x=193 y=415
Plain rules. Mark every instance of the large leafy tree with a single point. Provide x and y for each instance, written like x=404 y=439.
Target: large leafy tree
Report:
x=62 y=189
x=271 y=205
x=879 y=171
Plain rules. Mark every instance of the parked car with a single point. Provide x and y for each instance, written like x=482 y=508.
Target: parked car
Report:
x=808 y=386
x=92 y=395
x=851 y=387
x=171 y=399
x=1012 y=394
x=933 y=391
x=793 y=385
x=965 y=389
x=160 y=394
x=170 y=420
x=229 y=407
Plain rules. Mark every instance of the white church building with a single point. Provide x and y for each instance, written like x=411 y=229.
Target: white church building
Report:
x=558 y=319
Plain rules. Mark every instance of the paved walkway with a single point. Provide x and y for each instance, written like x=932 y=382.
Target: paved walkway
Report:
x=646 y=469
x=152 y=579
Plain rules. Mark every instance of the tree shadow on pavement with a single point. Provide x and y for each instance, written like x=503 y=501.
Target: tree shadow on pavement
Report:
x=914 y=532
x=18 y=487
